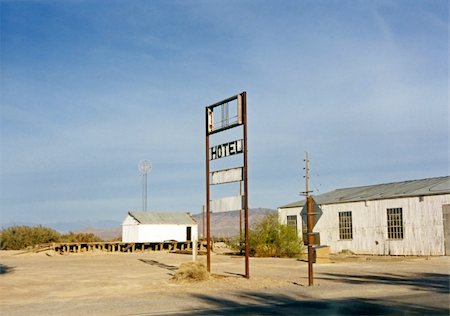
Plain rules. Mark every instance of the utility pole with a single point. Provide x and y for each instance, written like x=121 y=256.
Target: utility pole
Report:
x=309 y=223
x=306 y=174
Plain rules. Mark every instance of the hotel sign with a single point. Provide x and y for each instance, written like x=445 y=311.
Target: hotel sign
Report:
x=228 y=149
x=221 y=116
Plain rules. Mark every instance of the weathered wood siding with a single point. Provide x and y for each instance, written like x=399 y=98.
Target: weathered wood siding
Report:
x=423 y=232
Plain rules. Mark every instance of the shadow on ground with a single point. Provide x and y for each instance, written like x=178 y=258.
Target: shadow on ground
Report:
x=420 y=281
x=5 y=269
x=159 y=264
x=270 y=304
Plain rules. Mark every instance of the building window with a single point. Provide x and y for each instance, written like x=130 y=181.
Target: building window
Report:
x=292 y=222
x=395 y=223
x=345 y=225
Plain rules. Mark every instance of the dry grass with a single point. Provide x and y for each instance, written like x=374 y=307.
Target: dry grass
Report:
x=192 y=272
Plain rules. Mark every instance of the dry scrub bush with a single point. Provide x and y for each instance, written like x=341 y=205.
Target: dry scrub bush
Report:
x=269 y=238
x=192 y=272
x=21 y=237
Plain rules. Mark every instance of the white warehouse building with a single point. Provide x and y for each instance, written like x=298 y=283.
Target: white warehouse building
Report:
x=402 y=218
x=159 y=227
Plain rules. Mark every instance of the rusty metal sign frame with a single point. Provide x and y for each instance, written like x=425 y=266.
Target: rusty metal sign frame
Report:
x=210 y=130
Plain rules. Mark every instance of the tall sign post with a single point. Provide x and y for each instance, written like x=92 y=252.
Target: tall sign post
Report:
x=218 y=119
x=203 y=222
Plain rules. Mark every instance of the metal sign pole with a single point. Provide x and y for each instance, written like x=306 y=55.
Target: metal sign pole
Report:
x=240 y=220
x=208 y=204
x=203 y=222
x=247 y=246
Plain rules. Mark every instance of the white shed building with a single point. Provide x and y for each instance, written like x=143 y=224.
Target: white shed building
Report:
x=159 y=227
x=402 y=218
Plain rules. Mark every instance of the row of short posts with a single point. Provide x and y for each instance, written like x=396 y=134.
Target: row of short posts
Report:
x=123 y=247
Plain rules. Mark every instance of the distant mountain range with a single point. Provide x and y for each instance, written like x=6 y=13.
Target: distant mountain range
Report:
x=65 y=227
x=224 y=224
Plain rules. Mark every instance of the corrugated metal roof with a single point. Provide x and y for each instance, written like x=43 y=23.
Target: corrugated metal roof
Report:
x=423 y=187
x=163 y=218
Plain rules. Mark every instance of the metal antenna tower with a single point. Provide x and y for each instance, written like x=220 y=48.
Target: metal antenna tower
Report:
x=145 y=167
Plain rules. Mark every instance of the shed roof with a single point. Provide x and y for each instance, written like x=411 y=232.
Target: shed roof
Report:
x=179 y=218
x=412 y=188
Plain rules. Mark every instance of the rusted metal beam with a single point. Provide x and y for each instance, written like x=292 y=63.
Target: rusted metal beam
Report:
x=223 y=101
x=240 y=220
x=208 y=211
x=246 y=224
x=203 y=222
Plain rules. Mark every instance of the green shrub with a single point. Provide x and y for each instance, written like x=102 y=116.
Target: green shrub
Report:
x=269 y=238
x=20 y=237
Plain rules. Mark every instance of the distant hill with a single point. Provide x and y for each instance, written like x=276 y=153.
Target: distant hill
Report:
x=76 y=226
x=226 y=224
x=112 y=233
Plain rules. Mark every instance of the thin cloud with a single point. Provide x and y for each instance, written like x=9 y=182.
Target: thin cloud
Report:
x=362 y=86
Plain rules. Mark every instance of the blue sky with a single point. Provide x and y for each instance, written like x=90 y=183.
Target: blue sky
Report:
x=90 y=88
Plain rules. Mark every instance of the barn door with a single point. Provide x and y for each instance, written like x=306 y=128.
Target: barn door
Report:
x=188 y=233
x=446 y=220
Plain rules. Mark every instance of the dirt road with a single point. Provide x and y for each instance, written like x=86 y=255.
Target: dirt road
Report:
x=140 y=284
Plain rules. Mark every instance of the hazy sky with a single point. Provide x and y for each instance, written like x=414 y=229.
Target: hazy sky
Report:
x=90 y=88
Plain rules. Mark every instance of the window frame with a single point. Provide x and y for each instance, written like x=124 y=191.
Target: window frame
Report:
x=290 y=219
x=395 y=226
x=345 y=225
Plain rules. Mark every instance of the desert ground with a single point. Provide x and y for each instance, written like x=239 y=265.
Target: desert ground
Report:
x=100 y=283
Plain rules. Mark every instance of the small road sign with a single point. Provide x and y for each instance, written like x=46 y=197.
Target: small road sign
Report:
x=314 y=240
x=317 y=211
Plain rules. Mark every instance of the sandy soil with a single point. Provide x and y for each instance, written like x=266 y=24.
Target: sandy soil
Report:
x=131 y=283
